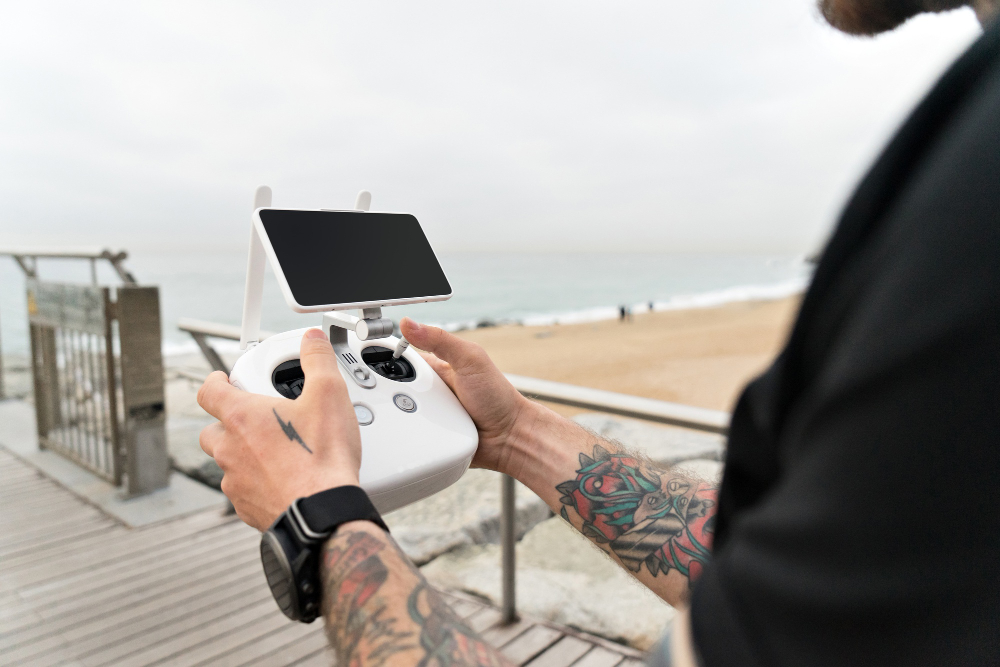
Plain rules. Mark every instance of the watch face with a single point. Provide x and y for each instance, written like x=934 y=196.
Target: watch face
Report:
x=279 y=575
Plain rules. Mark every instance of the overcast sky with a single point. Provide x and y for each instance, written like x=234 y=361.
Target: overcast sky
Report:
x=577 y=125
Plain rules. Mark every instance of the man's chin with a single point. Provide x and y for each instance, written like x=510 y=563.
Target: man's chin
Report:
x=871 y=17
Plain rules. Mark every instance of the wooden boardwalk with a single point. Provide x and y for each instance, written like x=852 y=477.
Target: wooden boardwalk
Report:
x=79 y=588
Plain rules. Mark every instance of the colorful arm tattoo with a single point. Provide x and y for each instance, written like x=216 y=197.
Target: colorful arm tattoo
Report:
x=379 y=610
x=645 y=516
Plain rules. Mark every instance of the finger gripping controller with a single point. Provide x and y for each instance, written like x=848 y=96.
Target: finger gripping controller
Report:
x=416 y=438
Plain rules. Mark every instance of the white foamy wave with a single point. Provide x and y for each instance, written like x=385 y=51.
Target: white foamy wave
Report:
x=711 y=299
x=735 y=294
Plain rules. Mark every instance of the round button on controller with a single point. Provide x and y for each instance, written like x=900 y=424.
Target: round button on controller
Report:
x=364 y=415
x=404 y=403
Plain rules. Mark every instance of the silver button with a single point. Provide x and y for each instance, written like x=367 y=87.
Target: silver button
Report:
x=404 y=403
x=364 y=415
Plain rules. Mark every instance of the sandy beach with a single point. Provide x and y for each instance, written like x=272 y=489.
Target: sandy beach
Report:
x=700 y=357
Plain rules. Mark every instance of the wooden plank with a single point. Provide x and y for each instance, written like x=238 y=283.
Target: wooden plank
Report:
x=61 y=540
x=172 y=622
x=563 y=653
x=298 y=649
x=43 y=503
x=530 y=643
x=463 y=608
x=49 y=636
x=631 y=662
x=324 y=658
x=502 y=634
x=484 y=619
x=46 y=517
x=140 y=566
x=126 y=542
x=178 y=649
x=289 y=631
x=599 y=657
x=29 y=536
x=217 y=650
x=90 y=596
x=126 y=609
x=13 y=490
x=197 y=576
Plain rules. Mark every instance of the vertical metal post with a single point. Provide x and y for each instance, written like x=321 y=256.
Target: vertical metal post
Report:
x=111 y=382
x=508 y=541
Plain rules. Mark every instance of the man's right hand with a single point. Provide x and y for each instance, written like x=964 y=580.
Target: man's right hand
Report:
x=557 y=459
x=497 y=409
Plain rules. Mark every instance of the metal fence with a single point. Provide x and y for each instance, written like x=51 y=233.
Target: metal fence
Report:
x=97 y=372
x=74 y=371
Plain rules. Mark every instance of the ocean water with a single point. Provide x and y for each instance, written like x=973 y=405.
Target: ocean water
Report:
x=530 y=288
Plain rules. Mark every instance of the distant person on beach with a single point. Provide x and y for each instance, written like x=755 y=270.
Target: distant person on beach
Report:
x=858 y=521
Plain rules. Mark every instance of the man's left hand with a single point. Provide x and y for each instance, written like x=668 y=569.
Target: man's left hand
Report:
x=274 y=450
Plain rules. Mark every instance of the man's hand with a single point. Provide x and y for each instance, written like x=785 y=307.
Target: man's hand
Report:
x=497 y=409
x=662 y=524
x=274 y=450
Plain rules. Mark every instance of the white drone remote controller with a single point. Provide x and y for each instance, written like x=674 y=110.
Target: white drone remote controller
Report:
x=416 y=438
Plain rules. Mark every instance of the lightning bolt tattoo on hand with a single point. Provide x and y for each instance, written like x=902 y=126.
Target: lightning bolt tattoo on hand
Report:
x=290 y=431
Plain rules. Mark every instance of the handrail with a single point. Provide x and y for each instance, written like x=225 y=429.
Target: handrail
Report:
x=201 y=330
x=93 y=253
x=213 y=329
x=637 y=407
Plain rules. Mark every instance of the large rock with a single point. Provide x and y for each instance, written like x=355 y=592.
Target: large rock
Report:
x=466 y=513
x=666 y=445
x=563 y=578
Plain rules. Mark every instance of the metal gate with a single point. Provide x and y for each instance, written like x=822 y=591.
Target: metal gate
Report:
x=98 y=379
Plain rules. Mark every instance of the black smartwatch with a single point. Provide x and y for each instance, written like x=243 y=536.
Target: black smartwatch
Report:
x=290 y=549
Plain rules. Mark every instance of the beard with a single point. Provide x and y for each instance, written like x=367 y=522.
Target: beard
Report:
x=870 y=17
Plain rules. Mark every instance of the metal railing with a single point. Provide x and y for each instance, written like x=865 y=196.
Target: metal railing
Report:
x=636 y=407
x=97 y=370
x=73 y=372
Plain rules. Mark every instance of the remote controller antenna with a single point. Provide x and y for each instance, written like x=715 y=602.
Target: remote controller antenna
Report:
x=253 y=294
x=364 y=201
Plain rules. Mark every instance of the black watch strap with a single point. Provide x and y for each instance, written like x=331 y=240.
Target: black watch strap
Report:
x=322 y=512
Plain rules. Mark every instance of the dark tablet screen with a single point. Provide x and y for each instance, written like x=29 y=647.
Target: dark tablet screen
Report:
x=334 y=257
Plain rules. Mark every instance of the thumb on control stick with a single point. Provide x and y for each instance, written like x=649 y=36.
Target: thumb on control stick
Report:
x=319 y=365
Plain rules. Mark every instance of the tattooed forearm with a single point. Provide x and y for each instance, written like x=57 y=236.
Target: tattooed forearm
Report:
x=290 y=432
x=355 y=573
x=379 y=609
x=642 y=515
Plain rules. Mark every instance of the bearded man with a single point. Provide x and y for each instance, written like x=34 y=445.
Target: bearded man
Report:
x=858 y=520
